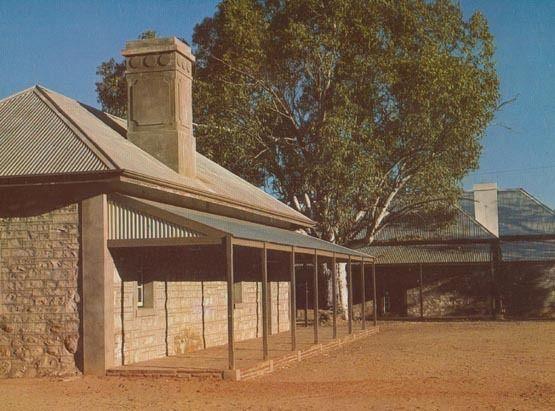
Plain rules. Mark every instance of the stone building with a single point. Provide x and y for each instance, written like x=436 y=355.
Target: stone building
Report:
x=120 y=243
x=496 y=258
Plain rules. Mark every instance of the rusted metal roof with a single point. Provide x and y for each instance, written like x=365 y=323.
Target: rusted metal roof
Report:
x=34 y=140
x=126 y=223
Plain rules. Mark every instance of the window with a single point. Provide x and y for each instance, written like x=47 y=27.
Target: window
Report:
x=140 y=294
x=145 y=292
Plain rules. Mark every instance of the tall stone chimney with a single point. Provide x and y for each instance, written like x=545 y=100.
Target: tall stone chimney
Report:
x=159 y=91
x=485 y=206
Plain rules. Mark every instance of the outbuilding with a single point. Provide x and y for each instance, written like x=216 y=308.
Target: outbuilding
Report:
x=495 y=259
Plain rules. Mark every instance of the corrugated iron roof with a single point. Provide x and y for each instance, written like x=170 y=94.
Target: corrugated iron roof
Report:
x=528 y=250
x=519 y=213
x=251 y=231
x=34 y=140
x=463 y=226
x=126 y=223
x=430 y=254
x=61 y=149
x=211 y=177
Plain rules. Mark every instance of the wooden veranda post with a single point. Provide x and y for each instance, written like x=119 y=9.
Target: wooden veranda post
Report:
x=264 y=262
x=350 y=295
x=495 y=256
x=305 y=303
x=293 y=299
x=375 y=308
x=230 y=303
x=421 y=293
x=334 y=295
x=315 y=295
x=363 y=286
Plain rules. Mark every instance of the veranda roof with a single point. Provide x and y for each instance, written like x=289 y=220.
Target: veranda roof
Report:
x=142 y=218
x=430 y=253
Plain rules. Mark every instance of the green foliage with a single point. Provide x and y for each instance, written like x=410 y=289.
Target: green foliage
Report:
x=356 y=113
x=112 y=88
x=147 y=34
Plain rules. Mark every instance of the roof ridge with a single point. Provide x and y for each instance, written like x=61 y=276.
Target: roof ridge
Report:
x=27 y=90
x=498 y=190
x=42 y=93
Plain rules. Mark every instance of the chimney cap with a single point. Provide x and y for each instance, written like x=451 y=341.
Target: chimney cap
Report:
x=484 y=186
x=157 y=45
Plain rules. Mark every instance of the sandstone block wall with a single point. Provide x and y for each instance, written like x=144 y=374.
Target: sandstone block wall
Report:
x=39 y=315
x=188 y=315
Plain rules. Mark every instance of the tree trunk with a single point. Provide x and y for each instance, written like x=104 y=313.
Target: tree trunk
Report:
x=342 y=292
x=328 y=278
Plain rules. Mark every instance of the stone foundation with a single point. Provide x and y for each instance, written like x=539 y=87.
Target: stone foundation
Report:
x=39 y=314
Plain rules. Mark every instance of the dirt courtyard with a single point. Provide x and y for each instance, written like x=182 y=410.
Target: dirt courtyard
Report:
x=457 y=365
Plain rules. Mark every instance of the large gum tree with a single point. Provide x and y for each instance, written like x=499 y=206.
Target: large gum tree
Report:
x=356 y=113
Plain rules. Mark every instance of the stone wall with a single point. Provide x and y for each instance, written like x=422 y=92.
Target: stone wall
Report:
x=524 y=290
x=187 y=314
x=39 y=313
x=449 y=293
x=448 y=290
x=451 y=296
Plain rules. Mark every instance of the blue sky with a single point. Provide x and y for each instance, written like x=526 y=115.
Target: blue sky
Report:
x=60 y=43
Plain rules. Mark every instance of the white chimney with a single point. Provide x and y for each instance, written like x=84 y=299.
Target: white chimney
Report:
x=159 y=91
x=485 y=206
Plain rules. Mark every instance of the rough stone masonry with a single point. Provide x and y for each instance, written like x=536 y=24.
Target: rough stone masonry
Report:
x=39 y=299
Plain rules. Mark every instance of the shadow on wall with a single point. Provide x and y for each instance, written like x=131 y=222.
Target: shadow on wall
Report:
x=169 y=301
x=452 y=291
x=20 y=202
x=525 y=290
x=173 y=300
x=528 y=289
x=456 y=294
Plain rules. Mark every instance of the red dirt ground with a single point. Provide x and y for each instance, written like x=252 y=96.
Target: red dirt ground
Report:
x=458 y=365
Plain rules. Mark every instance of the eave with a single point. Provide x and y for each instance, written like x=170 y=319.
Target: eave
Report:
x=142 y=186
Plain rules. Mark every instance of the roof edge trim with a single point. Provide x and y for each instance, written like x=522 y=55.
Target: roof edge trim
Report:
x=203 y=194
